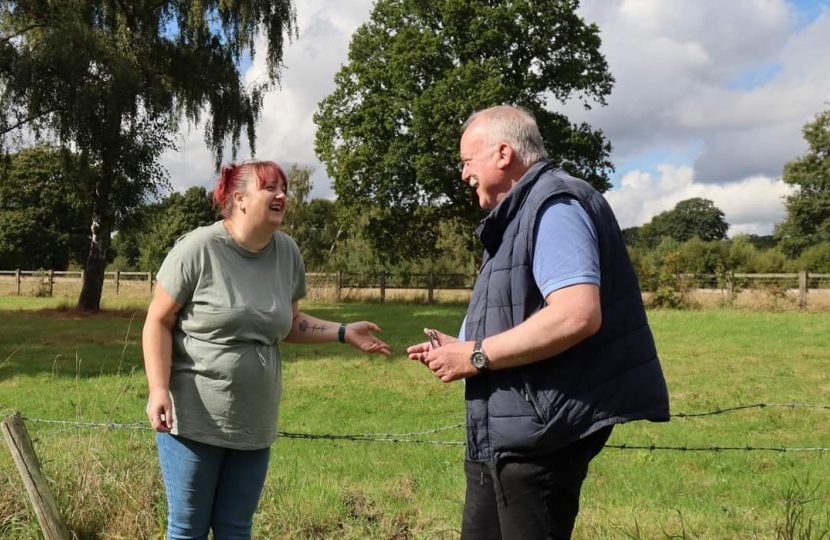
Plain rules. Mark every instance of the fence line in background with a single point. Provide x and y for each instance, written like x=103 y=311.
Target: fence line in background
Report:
x=47 y=278
x=729 y=283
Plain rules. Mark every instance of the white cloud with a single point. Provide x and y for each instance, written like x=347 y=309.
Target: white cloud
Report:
x=751 y=205
x=285 y=133
x=674 y=62
x=684 y=81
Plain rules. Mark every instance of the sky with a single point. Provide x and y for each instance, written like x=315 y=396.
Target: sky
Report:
x=709 y=101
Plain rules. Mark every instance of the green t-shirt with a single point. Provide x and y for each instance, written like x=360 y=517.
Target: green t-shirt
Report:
x=226 y=376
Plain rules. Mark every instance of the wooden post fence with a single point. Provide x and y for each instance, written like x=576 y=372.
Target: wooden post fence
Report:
x=51 y=283
x=730 y=288
x=43 y=502
x=150 y=282
x=339 y=284
x=431 y=285
x=382 y=287
x=802 y=291
x=17 y=280
x=117 y=282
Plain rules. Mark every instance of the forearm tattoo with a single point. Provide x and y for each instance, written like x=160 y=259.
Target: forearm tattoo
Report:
x=304 y=326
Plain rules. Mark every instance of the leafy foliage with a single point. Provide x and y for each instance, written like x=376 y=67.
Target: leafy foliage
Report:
x=321 y=234
x=299 y=187
x=44 y=222
x=177 y=215
x=114 y=79
x=689 y=218
x=389 y=132
x=808 y=210
x=148 y=236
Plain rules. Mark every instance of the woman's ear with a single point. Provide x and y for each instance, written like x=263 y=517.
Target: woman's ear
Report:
x=239 y=200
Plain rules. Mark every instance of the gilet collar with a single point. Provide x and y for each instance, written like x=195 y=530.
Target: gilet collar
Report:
x=491 y=229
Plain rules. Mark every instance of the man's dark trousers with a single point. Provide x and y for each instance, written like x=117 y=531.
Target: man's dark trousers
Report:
x=528 y=498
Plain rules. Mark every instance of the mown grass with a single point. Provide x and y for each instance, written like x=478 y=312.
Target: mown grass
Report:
x=57 y=364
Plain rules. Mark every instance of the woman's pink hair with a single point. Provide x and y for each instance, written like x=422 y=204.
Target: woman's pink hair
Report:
x=235 y=178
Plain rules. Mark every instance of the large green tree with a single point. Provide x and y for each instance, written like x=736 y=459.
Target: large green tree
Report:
x=299 y=188
x=44 y=222
x=389 y=132
x=689 y=218
x=114 y=79
x=320 y=236
x=808 y=209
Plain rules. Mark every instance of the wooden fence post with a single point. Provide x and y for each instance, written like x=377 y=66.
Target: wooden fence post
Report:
x=46 y=509
x=802 y=291
x=339 y=284
x=150 y=282
x=117 y=282
x=730 y=290
x=431 y=288
x=51 y=282
x=17 y=280
x=382 y=287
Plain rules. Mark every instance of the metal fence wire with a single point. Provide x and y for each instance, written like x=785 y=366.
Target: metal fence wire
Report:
x=417 y=437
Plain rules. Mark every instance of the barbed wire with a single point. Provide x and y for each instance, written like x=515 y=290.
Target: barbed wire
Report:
x=747 y=448
x=792 y=405
x=407 y=437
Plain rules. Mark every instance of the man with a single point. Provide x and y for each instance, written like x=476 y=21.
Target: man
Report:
x=555 y=347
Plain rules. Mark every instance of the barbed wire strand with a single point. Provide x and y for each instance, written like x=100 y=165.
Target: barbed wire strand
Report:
x=747 y=448
x=404 y=437
x=753 y=406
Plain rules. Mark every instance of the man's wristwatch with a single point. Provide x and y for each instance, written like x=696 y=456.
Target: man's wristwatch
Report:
x=479 y=358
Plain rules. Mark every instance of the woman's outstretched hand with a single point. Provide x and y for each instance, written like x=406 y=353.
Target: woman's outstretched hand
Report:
x=358 y=335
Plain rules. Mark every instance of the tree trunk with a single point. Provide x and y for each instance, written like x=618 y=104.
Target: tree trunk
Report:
x=96 y=264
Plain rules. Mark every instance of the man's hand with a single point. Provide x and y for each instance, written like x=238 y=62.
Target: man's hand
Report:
x=452 y=362
x=419 y=352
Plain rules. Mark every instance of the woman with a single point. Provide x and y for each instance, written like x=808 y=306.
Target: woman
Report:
x=226 y=295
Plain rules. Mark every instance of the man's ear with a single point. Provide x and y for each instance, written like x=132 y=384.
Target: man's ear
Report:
x=506 y=156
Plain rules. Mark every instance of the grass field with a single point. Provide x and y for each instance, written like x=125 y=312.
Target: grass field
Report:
x=57 y=364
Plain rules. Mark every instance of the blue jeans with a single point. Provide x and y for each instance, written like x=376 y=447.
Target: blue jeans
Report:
x=210 y=487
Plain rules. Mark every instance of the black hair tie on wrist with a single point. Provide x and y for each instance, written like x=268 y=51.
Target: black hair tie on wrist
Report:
x=341 y=334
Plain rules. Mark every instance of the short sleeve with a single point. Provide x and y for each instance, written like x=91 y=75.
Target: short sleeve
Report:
x=299 y=290
x=179 y=271
x=299 y=280
x=565 y=247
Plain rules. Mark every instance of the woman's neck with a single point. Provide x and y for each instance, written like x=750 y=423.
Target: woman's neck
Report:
x=247 y=236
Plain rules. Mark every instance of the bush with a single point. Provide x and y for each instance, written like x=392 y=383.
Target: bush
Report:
x=670 y=291
x=42 y=288
x=121 y=263
x=769 y=261
x=815 y=259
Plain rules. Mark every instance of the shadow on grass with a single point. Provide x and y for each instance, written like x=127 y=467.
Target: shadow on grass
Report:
x=65 y=342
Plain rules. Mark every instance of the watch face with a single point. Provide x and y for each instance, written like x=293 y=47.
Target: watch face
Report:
x=479 y=359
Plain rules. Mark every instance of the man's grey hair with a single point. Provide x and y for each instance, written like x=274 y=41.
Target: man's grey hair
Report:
x=514 y=125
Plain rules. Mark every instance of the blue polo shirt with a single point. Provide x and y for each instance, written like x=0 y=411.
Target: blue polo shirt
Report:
x=565 y=248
